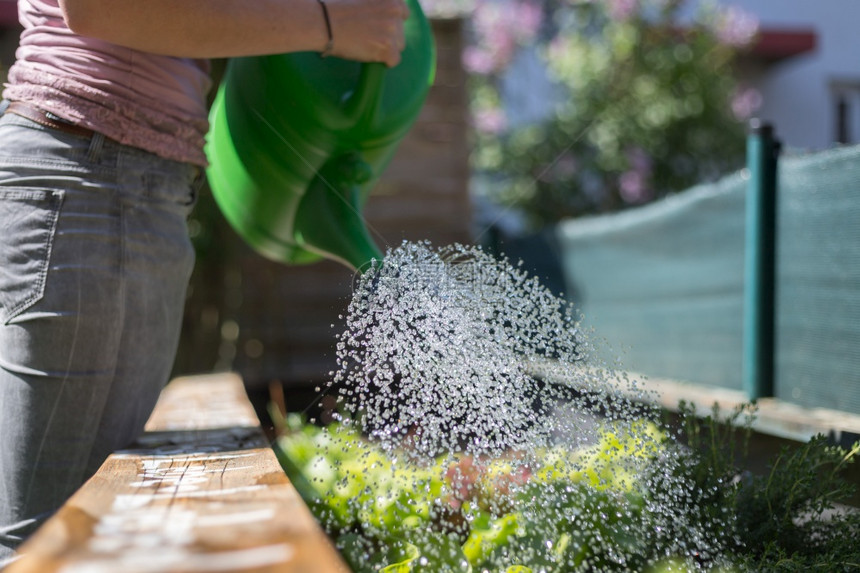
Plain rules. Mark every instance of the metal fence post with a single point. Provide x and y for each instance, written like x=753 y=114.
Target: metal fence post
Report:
x=760 y=262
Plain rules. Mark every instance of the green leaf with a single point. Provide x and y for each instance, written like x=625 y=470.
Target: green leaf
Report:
x=482 y=542
x=411 y=555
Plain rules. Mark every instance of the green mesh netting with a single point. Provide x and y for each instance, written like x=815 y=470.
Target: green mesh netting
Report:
x=818 y=280
x=662 y=285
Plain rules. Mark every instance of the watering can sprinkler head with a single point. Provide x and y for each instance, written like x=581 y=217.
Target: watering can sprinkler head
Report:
x=296 y=143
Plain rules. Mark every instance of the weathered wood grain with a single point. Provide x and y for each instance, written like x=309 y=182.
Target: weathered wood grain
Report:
x=202 y=491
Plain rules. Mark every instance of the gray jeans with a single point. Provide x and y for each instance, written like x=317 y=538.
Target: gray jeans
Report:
x=94 y=263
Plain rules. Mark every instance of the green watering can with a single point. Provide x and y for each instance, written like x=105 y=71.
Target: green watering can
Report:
x=297 y=141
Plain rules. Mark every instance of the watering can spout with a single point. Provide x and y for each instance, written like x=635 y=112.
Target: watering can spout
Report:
x=329 y=220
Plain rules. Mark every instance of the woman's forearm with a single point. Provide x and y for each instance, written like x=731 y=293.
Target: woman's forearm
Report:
x=367 y=30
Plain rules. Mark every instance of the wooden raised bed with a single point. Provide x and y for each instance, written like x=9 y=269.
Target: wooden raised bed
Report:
x=201 y=491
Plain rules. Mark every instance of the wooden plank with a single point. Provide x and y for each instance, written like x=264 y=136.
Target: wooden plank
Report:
x=774 y=417
x=202 y=491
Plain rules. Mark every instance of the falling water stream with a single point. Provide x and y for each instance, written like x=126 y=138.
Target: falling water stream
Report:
x=477 y=386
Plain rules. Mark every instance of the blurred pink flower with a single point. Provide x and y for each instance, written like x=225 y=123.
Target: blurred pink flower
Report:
x=745 y=102
x=633 y=187
x=490 y=121
x=478 y=60
x=736 y=27
x=622 y=9
x=529 y=17
x=633 y=183
x=499 y=27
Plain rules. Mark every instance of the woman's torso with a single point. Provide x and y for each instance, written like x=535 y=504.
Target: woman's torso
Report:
x=153 y=102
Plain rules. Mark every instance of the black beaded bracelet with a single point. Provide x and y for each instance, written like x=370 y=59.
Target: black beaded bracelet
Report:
x=330 y=44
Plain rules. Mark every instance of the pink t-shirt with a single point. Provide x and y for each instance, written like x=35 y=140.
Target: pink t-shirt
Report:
x=156 y=103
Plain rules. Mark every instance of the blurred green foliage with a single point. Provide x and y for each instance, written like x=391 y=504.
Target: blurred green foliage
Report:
x=643 y=103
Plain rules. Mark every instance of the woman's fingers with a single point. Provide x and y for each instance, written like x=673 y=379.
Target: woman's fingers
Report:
x=369 y=30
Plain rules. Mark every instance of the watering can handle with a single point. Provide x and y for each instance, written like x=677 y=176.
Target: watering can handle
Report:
x=362 y=106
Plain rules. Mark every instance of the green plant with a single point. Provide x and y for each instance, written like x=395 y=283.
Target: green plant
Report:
x=787 y=519
x=634 y=501
x=562 y=510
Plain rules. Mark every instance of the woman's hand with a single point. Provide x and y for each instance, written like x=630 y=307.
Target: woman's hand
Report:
x=368 y=30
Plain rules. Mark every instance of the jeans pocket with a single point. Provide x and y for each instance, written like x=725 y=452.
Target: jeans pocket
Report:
x=28 y=219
